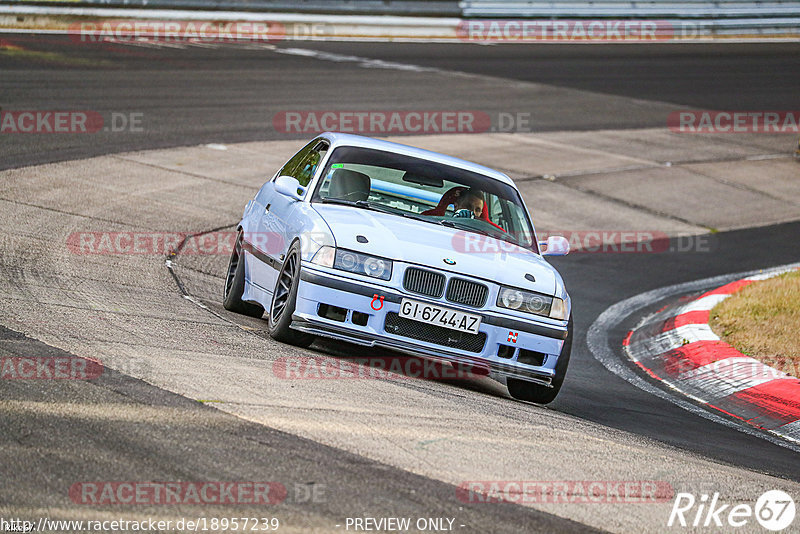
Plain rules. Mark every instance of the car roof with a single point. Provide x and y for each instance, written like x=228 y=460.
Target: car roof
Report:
x=342 y=139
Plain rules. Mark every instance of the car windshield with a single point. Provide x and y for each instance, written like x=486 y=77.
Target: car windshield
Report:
x=421 y=189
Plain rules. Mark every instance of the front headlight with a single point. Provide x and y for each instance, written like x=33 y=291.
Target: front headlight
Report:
x=530 y=302
x=354 y=262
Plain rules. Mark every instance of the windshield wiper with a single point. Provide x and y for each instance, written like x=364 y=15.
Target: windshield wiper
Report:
x=365 y=204
x=377 y=207
x=328 y=200
x=418 y=217
x=454 y=224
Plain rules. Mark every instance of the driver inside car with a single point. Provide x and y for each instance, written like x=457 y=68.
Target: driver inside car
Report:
x=468 y=204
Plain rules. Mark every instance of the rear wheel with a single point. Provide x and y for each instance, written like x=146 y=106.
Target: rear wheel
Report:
x=284 y=299
x=532 y=392
x=234 y=284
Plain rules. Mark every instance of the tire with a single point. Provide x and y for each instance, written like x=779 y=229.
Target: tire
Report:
x=531 y=392
x=284 y=299
x=234 y=284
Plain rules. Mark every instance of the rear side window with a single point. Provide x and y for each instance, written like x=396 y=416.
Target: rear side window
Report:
x=304 y=164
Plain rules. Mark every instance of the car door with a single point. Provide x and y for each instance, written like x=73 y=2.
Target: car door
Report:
x=278 y=225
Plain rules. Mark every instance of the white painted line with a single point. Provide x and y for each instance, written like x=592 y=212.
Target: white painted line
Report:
x=703 y=304
x=765 y=276
x=361 y=61
x=792 y=429
x=695 y=332
x=652 y=345
x=676 y=338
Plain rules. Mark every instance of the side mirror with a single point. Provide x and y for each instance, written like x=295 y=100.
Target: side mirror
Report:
x=555 y=245
x=289 y=187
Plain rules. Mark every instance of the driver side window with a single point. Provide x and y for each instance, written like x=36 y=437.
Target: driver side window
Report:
x=304 y=164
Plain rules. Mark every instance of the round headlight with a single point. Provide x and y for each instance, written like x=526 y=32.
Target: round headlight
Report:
x=375 y=267
x=348 y=261
x=512 y=299
x=536 y=304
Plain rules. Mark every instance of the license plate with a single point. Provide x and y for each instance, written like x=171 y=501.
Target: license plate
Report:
x=440 y=316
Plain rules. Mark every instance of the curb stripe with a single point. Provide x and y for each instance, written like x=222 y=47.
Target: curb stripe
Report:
x=687 y=318
x=648 y=371
x=777 y=401
x=728 y=413
x=627 y=340
x=696 y=355
x=677 y=346
x=729 y=289
x=705 y=303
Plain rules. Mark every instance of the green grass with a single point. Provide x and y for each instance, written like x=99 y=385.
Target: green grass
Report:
x=763 y=321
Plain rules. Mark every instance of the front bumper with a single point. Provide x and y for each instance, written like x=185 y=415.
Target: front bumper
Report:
x=318 y=287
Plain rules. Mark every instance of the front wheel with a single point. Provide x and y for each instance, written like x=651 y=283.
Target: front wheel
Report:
x=284 y=299
x=531 y=392
x=234 y=284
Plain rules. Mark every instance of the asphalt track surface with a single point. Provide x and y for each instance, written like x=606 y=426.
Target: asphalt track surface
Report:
x=185 y=440
x=198 y=95
x=230 y=93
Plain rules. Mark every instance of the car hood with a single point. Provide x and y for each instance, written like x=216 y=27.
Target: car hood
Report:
x=407 y=240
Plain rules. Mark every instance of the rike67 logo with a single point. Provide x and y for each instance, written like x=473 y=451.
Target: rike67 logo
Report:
x=774 y=510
